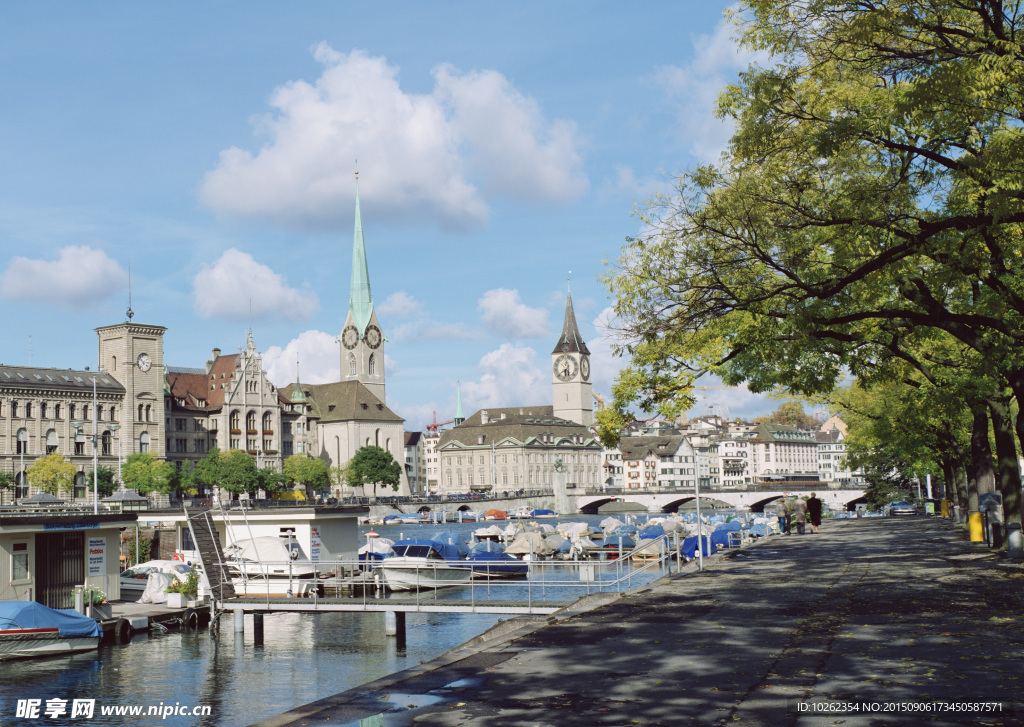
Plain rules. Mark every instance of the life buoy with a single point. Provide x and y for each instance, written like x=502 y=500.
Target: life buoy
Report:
x=176 y=556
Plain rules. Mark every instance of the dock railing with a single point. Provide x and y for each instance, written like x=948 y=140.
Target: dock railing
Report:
x=349 y=585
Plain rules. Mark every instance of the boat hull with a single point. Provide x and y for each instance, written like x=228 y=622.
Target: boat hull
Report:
x=400 y=574
x=31 y=643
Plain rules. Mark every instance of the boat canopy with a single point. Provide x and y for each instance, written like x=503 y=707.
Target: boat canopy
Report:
x=452 y=545
x=419 y=548
x=17 y=615
x=268 y=549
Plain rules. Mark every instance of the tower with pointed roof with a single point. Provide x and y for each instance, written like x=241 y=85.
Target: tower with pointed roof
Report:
x=572 y=395
x=361 y=341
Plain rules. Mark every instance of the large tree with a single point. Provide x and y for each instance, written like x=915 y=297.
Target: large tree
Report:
x=311 y=472
x=107 y=482
x=52 y=473
x=239 y=472
x=790 y=413
x=869 y=208
x=144 y=473
x=373 y=466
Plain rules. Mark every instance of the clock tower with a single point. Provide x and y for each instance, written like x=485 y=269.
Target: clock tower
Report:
x=361 y=340
x=133 y=354
x=570 y=369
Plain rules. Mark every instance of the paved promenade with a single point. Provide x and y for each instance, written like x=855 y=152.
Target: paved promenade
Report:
x=898 y=613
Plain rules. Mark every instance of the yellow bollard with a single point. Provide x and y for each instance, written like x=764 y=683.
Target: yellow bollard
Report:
x=945 y=508
x=975 y=527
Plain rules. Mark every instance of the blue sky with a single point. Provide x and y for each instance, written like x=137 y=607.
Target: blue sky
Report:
x=212 y=147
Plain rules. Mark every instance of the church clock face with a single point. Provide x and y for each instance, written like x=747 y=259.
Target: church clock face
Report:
x=585 y=368
x=373 y=337
x=143 y=362
x=350 y=337
x=565 y=368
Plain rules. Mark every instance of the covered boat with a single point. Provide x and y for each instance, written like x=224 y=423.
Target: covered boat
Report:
x=29 y=629
x=495 y=564
x=270 y=565
x=529 y=543
x=495 y=515
x=543 y=512
x=419 y=564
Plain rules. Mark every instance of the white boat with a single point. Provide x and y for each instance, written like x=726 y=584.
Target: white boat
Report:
x=417 y=564
x=270 y=566
x=134 y=579
x=30 y=629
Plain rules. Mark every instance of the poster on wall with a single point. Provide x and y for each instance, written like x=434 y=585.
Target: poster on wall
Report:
x=314 y=544
x=97 y=556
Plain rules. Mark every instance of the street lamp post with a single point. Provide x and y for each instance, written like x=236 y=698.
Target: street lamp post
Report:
x=114 y=428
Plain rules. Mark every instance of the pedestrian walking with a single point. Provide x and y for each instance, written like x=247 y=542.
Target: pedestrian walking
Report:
x=784 y=510
x=814 y=511
x=800 y=515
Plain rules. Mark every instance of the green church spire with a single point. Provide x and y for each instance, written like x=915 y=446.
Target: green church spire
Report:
x=360 y=301
x=459 y=416
x=297 y=394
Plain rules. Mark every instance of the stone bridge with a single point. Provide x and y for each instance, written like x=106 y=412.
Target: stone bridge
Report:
x=589 y=501
x=752 y=500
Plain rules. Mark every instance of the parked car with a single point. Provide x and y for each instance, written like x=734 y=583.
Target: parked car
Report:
x=133 y=580
x=902 y=507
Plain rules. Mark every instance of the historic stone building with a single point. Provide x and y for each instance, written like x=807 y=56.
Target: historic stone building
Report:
x=530 y=447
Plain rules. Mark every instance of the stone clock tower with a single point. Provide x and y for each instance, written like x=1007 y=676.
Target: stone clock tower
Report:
x=362 y=342
x=133 y=355
x=570 y=368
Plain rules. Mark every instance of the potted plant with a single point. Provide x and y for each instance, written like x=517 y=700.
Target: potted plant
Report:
x=96 y=603
x=179 y=593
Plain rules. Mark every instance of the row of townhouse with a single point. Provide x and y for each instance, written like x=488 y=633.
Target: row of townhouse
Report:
x=729 y=455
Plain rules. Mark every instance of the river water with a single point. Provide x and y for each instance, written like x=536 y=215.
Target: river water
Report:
x=304 y=657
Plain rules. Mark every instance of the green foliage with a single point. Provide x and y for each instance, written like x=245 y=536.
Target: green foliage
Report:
x=144 y=473
x=312 y=472
x=372 y=466
x=6 y=480
x=128 y=547
x=270 y=480
x=52 y=473
x=208 y=470
x=238 y=472
x=188 y=587
x=93 y=595
x=184 y=482
x=107 y=483
x=790 y=413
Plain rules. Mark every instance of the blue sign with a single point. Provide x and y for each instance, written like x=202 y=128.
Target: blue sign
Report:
x=70 y=526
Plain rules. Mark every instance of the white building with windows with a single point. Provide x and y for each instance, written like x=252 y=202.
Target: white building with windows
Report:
x=654 y=462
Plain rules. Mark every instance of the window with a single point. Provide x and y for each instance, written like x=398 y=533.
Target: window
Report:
x=372 y=366
x=85 y=412
x=99 y=413
x=43 y=410
x=180 y=445
x=140 y=414
x=79 y=486
x=22 y=442
x=286 y=448
x=51 y=441
x=56 y=411
x=286 y=427
x=19 y=562
x=179 y=425
x=148 y=413
x=105 y=444
x=144 y=442
x=351 y=365
x=250 y=421
x=235 y=421
x=14 y=408
x=80 y=447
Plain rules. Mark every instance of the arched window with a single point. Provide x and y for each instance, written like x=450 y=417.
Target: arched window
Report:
x=85 y=412
x=351 y=367
x=51 y=441
x=105 y=451
x=376 y=437
x=234 y=420
x=268 y=422
x=140 y=414
x=113 y=414
x=20 y=486
x=149 y=410
x=113 y=363
x=28 y=410
x=43 y=410
x=79 y=486
x=99 y=413
x=250 y=421
x=144 y=442
x=14 y=408
x=22 y=441
x=56 y=411
x=372 y=365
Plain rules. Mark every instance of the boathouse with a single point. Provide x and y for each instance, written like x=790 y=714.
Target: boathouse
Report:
x=45 y=555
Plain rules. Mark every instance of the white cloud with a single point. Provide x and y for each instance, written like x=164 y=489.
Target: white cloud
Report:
x=604 y=365
x=399 y=304
x=504 y=313
x=694 y=88
x=80 y=276
x=423 y=155
x=318 y=356
x=509 y=377
x=227 y=288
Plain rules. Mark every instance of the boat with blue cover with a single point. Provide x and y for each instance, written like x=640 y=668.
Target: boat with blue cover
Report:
x=30 y=629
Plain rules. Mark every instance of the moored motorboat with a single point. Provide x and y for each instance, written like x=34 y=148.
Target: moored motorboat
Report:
x=495 y=564
x=418 y=564
x=270 y=566
x=30 y=629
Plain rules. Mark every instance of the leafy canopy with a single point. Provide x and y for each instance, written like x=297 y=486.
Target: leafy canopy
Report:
x=373 y=465
x=52 y=473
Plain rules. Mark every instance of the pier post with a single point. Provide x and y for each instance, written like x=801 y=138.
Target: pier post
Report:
x=390 y=623
x=257 y=629
x=400 y=630
x=239 y=621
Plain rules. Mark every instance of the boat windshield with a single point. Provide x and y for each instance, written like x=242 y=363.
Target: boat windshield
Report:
x=416 y=551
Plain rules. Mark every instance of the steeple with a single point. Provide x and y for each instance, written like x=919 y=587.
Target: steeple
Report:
x=570 y=341
x=297 y=394
x=459 y=416
x=360 y=301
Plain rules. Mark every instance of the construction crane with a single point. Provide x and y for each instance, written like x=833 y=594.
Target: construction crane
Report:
x=435 y=426
x=683 y=419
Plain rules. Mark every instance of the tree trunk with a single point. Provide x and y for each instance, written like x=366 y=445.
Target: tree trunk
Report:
x=1008 y=467
x=981 y=456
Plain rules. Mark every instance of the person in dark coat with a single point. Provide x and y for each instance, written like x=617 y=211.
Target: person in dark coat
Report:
x=814 y=512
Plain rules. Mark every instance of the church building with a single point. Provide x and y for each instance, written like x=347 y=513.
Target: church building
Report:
x=530 y=447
